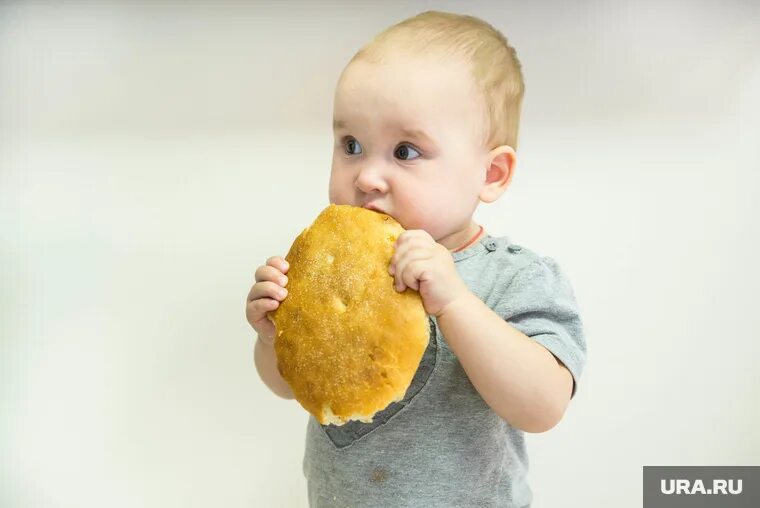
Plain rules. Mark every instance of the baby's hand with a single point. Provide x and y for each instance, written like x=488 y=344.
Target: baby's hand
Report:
x=426 y=266
x=266 y=295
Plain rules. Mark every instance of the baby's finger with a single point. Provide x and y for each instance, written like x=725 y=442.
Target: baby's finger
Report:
x=412 y=273
x=271 y=273
x=401 y=278
x=279 y=263
x=257 y=310
x=414 y=234
x=267 y=289
x=402 y=250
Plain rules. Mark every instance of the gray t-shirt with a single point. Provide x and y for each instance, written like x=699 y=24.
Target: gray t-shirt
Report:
x=443 y=446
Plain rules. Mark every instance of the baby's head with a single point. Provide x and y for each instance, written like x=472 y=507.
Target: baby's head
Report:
x=425 y=120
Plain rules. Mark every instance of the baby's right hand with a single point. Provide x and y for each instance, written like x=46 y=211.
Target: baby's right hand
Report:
x=266 y=295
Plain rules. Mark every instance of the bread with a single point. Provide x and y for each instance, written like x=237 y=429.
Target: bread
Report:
x=348 y=344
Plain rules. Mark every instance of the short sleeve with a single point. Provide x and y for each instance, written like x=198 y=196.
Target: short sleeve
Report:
x=539 y=301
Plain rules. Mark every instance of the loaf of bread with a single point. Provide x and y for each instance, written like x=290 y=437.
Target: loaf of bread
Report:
x=347 y=343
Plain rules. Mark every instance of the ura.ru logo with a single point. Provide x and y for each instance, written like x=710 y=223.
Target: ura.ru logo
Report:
x=718 y=486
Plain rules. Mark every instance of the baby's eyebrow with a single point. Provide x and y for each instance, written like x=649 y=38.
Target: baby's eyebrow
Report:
x=417 y=134
x=407 y=132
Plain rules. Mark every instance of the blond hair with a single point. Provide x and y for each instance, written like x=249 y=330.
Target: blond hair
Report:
x=495 y=68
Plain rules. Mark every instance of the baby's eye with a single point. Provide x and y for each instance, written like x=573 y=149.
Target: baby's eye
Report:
x=406 y=152
x=352 y=147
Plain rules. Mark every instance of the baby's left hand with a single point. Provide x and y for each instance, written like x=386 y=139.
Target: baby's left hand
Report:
x=426 y=266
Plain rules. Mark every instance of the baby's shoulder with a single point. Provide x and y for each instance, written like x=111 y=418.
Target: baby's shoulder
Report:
x=505 y=253
x=526 y=272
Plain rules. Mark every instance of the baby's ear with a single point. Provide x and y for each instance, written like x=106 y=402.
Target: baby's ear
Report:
x=500 y=167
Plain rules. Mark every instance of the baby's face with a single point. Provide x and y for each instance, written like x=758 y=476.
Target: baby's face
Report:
x=409 y=142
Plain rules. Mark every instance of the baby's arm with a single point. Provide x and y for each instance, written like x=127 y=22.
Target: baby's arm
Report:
x=518 y=378
x=517 y=374
x=266 y=365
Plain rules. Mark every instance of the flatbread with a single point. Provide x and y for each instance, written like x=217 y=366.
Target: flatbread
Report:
x=348 y=344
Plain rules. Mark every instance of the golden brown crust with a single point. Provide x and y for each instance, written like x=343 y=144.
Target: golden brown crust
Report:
x=348 y=343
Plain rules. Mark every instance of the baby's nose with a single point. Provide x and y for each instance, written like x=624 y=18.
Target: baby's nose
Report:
x=371 y=180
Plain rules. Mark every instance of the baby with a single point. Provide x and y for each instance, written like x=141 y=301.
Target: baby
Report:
x=425 y=120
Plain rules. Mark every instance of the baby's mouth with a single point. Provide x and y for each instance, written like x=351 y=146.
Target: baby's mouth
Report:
x=375 y=209
x=380 y=210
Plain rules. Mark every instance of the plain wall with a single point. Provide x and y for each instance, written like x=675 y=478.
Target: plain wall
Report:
x=152 y=155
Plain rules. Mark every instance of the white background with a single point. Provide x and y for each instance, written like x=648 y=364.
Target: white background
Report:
x=152 y=155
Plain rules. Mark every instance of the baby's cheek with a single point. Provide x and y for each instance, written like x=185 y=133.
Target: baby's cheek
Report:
x=448 y=217
x=340 y=190
x=432 y=216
